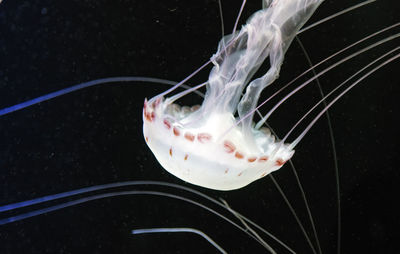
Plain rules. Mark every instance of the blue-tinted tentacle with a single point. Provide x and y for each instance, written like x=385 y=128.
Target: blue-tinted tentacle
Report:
x=80 y=86
x=122 y=184
x=125 y=193
x=64 y=195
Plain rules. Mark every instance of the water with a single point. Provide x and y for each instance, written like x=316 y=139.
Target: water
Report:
x=94 y=136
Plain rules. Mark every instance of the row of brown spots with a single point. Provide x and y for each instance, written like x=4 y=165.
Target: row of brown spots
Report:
x=186 y=157
x=226 y=170
x=230 y=148
x=170 y=151
x=203 y=137
x=147 y=139
x=189 y=136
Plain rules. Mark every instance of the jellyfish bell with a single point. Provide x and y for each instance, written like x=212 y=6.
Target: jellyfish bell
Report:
x=201 y=153
x=208 y=146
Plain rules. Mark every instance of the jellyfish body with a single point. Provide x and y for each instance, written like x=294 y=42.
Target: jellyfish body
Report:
x=208 y=146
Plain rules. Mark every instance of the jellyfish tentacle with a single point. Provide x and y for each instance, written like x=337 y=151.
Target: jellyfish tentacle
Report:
x=126 y=184
x=351 y=8
x=136 y=192
x=345 y=59
x=338 y=87
x=262 y=121
x=240 y=14
x=83 y=85
x=177 y=96
x=175 y=230
x=297 y=140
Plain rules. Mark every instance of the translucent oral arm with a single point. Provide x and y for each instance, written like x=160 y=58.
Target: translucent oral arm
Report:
x=286 y=18
x=268 y=33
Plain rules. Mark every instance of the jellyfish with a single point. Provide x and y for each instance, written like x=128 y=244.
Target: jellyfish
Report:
x=94 y=136
x=205 y=145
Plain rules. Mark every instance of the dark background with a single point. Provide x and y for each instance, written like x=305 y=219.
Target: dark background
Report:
x=94 y=136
